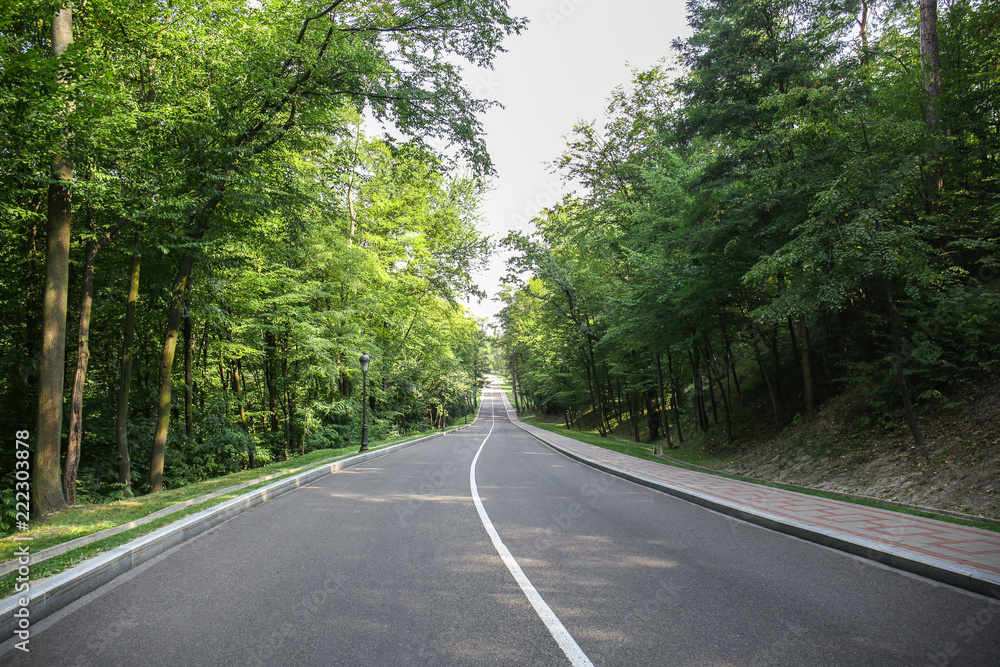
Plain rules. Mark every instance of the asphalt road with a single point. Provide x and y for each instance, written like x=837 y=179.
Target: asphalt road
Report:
x=393 y=563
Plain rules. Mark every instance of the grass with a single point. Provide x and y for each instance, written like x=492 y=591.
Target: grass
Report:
x=690 y=454
x=81 y=520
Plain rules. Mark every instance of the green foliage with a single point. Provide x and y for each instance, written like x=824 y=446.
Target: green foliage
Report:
x=231 y=133
x=774 y=184
x=8 y=510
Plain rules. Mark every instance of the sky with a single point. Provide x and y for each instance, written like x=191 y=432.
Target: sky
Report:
x=560 y=70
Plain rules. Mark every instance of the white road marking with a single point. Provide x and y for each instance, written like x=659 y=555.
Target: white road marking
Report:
x=559 y=632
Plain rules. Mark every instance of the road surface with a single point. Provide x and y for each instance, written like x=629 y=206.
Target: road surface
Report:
x=525 y=558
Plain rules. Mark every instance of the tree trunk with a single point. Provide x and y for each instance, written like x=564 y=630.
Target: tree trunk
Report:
x=513 y=382
x=633 y=401
x=615 y=400
x=791 y=335
x=270 y=380
x=590 y=391
x=897 y=357
x=32 y=307
x=652 y=416
x=238 y=388
x=82 y=361
x=731 y=364
x=767 y=381
x=618 y=411
x=930 y=62
x=287 y=400
x=713 y=378
x=701 y=416
x=73 y=445
x=863 y=24
x=121 y=419
x=602 y=423
x=176 y=314
x=779 y=382
x=46 y=486
x=806 y=369
x=188 y=351
x=673 y=398
x=664 y=417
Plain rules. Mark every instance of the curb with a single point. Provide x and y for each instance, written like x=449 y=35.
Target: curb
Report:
x=40 y=557
x=61 y=589
x=925 y=566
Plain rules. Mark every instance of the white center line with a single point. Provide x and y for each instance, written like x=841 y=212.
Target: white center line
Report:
x=559 y=632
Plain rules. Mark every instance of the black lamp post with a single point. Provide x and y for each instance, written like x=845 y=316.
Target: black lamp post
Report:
x=365 y=360
x=443 y=422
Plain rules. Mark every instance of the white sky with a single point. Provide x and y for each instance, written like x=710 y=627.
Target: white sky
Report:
x=562 y=69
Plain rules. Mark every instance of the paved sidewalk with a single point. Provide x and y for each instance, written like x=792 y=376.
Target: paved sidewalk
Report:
x=951 y=553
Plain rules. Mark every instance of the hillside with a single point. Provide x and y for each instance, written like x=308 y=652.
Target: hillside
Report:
x=957 y=471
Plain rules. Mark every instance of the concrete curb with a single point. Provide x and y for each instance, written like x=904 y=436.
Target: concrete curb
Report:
x=61 y=589
x=910 y=561
x=37 y=558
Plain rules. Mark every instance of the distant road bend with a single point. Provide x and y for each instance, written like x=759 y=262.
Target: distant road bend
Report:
x=485 y=547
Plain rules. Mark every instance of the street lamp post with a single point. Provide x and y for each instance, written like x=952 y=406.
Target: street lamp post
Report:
x=443 y=422
x=365 y=360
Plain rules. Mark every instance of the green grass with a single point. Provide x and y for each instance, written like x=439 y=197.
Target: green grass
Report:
x=78 y=521
x=691 y=455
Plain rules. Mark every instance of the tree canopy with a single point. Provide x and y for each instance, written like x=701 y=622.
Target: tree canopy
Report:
x=224 y=205
x=792 y=205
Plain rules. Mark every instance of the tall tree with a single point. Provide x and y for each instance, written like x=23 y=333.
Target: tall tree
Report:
x=930 y=67
x=47 y=491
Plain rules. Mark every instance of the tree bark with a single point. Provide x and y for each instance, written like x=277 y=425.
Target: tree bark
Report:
x=767 y=381
x=73 y=446
x=731 y=364
x=46 y=487
x=930 y=62
x=807 y=379
x=32 y=306
x=701 y=416
x=513 y=382
x=652 y=417
x=121 y=420
x=188 y=351
x=713 y=377
x=779 y=383
x=271 y=361
x=897 y=358
x=664 y=417
x=796 y=353
x=287 y=400
x=82 y=361
x=176 y=314
x=238 y=388
x=673 y=398
x=633 y=402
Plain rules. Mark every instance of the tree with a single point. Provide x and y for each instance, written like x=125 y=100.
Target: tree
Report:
x=390 y=62
x=48 y=494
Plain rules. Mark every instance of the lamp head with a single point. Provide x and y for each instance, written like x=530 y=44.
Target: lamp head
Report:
x=365 y=360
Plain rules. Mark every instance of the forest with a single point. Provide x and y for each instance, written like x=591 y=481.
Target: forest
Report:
x=202 y=234
x=800 y=203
